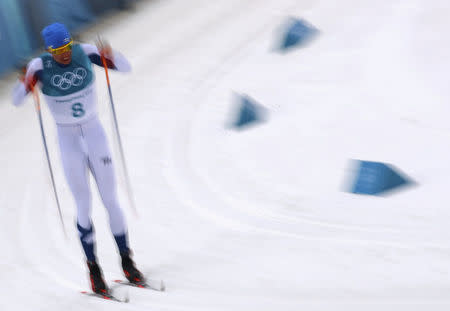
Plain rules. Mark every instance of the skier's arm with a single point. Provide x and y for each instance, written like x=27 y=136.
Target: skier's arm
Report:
x=28 y=81
x=114 y=61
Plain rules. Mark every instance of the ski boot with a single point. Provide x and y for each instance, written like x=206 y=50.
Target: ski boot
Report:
x=132 y=274
x=98 y=284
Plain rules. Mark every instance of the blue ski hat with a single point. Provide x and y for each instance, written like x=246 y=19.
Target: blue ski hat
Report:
x=55 y=36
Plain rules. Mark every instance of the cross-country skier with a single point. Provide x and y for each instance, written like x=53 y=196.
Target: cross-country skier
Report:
x=66 y=77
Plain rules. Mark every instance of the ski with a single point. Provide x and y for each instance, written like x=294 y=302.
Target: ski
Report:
x=157 y=285
x=106 y=297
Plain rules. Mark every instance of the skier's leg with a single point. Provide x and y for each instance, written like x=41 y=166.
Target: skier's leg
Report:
x=74 y=160
x=75 y=163
x=100 y=163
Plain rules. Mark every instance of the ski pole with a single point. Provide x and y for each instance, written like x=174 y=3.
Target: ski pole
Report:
x=38 y=111
x=119 y=140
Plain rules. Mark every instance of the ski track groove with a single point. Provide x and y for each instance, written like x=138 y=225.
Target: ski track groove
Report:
x=186 y=130
x=190 y=186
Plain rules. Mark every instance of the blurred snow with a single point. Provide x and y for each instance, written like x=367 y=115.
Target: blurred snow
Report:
x=252 y=220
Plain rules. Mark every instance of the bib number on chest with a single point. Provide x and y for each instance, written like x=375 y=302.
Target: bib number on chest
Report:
x=77 y=110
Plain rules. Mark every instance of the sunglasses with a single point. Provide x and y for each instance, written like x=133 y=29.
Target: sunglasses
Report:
x=61 y=49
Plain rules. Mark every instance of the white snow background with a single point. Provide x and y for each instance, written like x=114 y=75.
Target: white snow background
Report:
x=254 y=219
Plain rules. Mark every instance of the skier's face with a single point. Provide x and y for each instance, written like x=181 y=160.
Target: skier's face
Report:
x=64 y=58
x=63 y=54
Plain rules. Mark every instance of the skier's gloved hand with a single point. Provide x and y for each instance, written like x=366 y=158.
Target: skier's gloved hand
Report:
x=114 y=59
x=29 y=82
x=105 y=50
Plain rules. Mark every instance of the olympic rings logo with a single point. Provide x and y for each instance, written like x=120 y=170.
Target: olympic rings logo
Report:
x=69 y=79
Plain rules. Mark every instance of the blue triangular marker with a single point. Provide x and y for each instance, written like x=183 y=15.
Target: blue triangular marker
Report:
x=374 y=178
x=298 y=32
x=249 y=112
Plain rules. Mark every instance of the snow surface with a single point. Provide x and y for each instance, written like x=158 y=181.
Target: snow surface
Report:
x=255 y=219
